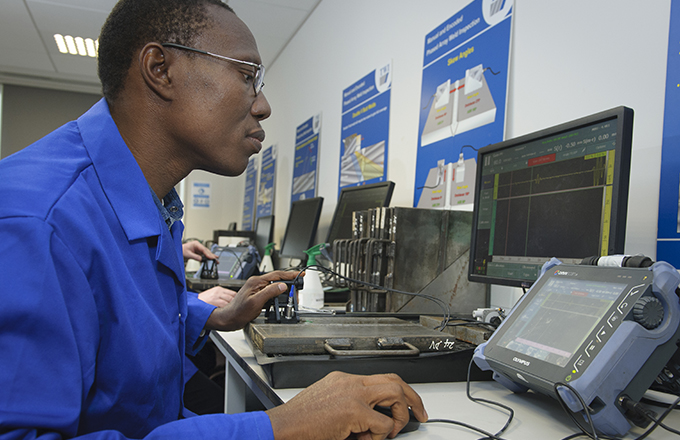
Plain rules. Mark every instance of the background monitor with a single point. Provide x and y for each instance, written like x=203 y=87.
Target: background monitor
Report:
x=264 y=233
x=301 y=228
x=561 y=192
x=357 y=198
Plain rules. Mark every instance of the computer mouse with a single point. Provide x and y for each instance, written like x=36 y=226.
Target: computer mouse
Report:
x=412 y=424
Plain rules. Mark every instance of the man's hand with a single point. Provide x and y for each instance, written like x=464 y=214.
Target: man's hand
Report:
x=217 y=296
x=194 y=250
x=249 y=301
x=340 y=405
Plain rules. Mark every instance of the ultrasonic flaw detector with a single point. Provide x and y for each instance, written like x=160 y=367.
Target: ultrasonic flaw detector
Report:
x=604 y=333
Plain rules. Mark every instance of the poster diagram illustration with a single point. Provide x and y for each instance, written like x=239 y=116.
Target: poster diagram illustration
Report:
x=306 y=159
x=463 y=100
x=459 y=106
x=365 y=129
x=448 y=185
x=361 y=164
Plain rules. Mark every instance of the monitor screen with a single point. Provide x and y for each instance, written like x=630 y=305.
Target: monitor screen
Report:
x=264 y=233
x=561 y=192
x=301 y=229
x=357 y=198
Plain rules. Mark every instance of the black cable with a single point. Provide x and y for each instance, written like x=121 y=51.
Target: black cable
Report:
x=488 y=435
x=586 y=409
x=465 y=425
x=486 y=325
x=468 y=146
x=439 y=302
x=490 y=402
x=492 y=72
x=659 y=421
x=656 y=421
x=656 y=402
x=238 y=258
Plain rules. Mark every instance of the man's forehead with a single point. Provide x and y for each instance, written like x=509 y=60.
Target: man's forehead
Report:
x=228 y=35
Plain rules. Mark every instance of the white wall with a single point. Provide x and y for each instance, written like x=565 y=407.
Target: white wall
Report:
x=569 y=59
x=226 y=204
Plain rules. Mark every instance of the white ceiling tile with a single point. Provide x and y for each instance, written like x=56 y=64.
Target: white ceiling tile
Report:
x=53 y=18
x=27 y=28
x=304 y=5
x=76 y=65
x=104 y=6
x=20 y=44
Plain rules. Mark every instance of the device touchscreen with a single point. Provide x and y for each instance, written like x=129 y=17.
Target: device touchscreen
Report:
x=559 y=318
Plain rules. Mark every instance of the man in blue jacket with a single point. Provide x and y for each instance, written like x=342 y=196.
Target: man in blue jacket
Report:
x=95 y=319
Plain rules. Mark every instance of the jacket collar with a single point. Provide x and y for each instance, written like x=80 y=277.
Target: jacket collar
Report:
x=126 y=187
x=121 y=177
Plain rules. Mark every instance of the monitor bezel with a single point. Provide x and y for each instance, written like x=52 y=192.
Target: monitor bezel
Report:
x=270 y=232
x=348 y=191
x=315 y=225
x=623 y=151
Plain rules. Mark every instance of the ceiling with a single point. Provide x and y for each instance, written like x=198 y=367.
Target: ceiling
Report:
x=29 y=54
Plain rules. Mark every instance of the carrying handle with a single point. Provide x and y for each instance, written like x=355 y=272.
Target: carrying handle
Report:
x=410 y=350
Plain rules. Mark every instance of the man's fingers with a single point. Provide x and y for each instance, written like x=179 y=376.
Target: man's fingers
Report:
x=272 y=290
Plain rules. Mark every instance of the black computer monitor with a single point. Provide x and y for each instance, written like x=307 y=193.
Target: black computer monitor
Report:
x=264 y=233
x=560 y=192
x=357 y=198
x=301 y=228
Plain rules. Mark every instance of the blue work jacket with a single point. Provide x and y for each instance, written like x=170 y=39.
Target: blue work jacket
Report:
x=94 y=315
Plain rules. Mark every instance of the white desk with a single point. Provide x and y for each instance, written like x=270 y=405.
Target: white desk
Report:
x=536 y=416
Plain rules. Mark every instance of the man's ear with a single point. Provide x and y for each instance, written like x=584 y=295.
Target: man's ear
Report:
x=154 y=65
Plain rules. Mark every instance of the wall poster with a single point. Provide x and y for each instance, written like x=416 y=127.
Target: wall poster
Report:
x=247 y=220
x=200 y=195
x=668 y=238
x=365 y=129
x=463 y=100
x=306 y=163
x=267 y=186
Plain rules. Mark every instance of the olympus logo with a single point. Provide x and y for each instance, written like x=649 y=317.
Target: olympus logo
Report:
x=521 y=361
x=565 y=273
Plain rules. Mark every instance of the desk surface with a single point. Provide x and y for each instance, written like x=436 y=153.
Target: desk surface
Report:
x=536 y=416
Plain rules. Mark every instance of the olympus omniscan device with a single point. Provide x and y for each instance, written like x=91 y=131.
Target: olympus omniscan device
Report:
x=599 y=333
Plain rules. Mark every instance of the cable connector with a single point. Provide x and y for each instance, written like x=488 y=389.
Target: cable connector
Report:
x=637 y=413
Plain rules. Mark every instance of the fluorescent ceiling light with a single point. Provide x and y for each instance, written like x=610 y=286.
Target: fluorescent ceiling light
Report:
x=77 y=46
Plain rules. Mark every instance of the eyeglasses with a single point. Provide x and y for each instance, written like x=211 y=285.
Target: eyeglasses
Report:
x=258 y=77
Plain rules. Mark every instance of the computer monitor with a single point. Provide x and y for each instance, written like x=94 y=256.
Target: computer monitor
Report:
x=301 y=228
x=560 y=192
x=264 y=233
x=357 y=198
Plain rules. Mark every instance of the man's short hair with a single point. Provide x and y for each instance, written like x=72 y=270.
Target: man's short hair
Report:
x=134 y=23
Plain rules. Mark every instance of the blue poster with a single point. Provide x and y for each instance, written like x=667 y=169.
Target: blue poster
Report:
x=249 y=197
x=200 y=195
x=265 y=192
x=305 y=168
x=365 y=129
x=668 y=243
x=463 y=99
